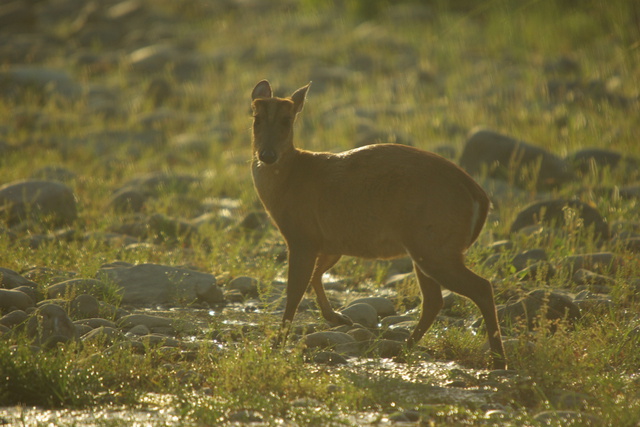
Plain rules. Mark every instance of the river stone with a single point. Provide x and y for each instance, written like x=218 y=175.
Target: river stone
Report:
x=127 y=200
x=498 y=154
x=51 y=201
x=582 y=160
x=159 y=284
x=386 y=348
x=94 y=287
x=247 y=286
x=584 y=277
x=361 y=334
x=103 y=334
x=11 y=299
x=327 y=339
x=528 y=257
x=19 y=80
x=599 y=262
x=151 y=322
x=384 y=307
x=14 y=318
x=96 y=322
x=363 y=314
x=558 y=307
x=52 y=325
x=553 y=212
x=85 y=306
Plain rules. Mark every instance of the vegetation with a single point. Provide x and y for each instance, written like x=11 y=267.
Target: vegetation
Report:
x=419 y=72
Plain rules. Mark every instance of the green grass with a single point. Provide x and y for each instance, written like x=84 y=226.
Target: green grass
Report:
x=464 y=65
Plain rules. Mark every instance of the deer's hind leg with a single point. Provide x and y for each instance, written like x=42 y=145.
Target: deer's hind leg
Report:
x=324 y=263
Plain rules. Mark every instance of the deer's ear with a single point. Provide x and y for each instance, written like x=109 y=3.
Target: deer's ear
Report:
x=262 y=90
x=299 y=96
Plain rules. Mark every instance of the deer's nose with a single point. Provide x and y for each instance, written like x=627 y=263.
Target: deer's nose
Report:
x=267 y=156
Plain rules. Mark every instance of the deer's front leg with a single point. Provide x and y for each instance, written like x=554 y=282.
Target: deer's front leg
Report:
x=301 y=263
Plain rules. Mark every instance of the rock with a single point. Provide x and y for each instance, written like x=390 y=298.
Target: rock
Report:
x=503 y=157
x=158 y=183
x=127 y=200
x=85 y=306
x=384 y=307
x=34 y=293
x=400 y=279
x=158 y=284
x=585 y=159
x=361 y=334
x=165 y=227
x=18 y=81
x=11 y=299
x=327 y=339
x=590 y=302
x=530 y=307
x=393 y=320
x=138 y=331
x=599 y=262
x=54 y=173
x=541 y=271
x=104 y=335
x=245 y=416
x=247 y=286
x=528 y=257
x=584 y=277
x=14 y=318
x=329 y=358
x=50 y=201
x=386 y=348
x=363 y=314
x=96 y=322
x=52 y=325
x=555 y=213
x=154 y=323
x=94 y=287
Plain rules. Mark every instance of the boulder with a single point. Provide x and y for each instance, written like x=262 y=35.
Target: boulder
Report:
x=51 y=201
x=503 y=157
x=554 y=213
x=159 y=284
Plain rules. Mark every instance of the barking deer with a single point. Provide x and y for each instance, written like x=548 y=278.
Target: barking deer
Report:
x=378 y=201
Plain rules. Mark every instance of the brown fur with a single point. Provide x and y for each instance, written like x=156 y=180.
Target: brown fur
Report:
x=378 y=201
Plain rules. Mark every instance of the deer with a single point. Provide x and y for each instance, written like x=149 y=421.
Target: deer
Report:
x=380 y=201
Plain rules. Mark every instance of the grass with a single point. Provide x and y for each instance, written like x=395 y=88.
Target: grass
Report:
x=428 y=80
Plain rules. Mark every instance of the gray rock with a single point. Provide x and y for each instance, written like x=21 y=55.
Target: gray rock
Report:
x=14 y=318
x=599 y=262
x=584 y=277
x=21 y=80
x=127 y=200
x=386 y=348
x=50 y=201
x=52 y=325
x=329 y=358
x=363 y=314
x=94 y=287
x=553 y=213
x=247 y=286
x=530 y=307
x=528 y=257
x=54 y=173
x=158 y=284
x=85 y=306
x=154 y=323
x=327 y=339
x=103 y=334
x=584 y=160
x=503 y=156
x=11 y=299
x=384 y=307
x=96 y=322
x=393 y=320
x=361 y=334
